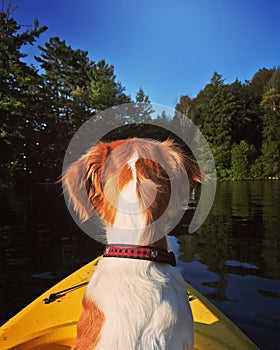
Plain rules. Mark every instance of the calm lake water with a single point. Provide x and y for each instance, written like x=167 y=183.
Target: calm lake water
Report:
x=233 y=259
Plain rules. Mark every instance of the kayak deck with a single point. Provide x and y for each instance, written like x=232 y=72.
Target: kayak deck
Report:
x=52 y=326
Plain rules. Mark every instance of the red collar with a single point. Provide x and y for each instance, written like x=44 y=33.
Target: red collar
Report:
x=140 y=252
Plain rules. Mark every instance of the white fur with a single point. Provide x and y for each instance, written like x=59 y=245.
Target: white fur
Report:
x=145 y=306
x=130 y=220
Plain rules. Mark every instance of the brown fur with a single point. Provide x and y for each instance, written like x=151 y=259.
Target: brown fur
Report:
x=89 y=326
x=95 y=180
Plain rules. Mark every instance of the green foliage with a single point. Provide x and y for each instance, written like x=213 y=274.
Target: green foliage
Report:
x=271 y=126
x=41 y=110
x=141 y=97
x=242 y=158
x=186 y=107
x=18 y=88
x=258 y=83
x=215 y=108
x=240 y=123
x=142 y=109
x=105 y=92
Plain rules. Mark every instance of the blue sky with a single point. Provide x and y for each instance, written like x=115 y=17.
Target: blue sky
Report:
x=169 y=48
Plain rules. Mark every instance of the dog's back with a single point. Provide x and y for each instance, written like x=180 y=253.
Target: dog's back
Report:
x=144 y=306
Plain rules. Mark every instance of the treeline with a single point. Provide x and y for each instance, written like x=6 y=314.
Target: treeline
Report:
x=241 y=122
x=40 y=110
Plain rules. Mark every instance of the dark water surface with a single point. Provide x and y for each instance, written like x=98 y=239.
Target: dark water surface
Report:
x=233 y=259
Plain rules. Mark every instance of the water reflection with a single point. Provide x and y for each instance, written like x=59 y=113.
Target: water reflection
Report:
x=233 y=259
x=39 y=245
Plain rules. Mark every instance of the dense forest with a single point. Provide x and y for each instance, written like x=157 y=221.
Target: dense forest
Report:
x=41 y=109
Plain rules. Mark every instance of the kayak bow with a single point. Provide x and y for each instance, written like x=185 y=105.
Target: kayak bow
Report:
x=49 y=322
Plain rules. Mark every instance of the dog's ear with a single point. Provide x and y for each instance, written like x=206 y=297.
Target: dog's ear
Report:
x=75 y=189
x=179 y=159
x=82 y=181
x=184 y=173
x=95 y=168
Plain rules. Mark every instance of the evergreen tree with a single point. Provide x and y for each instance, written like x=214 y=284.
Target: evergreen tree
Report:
x=105 y=91
x=186 y=106
x=75 y=89
x=18 y=91
x=271 y=126
x=186 y=109
x=242 y=158
x=259 y=82
x=254 y=91
x=142 y=108
x=65 y=105
x=65 y=80
x=141 y=97
x=215 y=107
x=243 y=125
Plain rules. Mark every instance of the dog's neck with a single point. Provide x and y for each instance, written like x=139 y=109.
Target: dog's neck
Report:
x=161 y=243
x=130 y=222
x=123 y=237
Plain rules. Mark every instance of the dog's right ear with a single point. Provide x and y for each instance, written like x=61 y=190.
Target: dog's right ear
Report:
x=82 y=181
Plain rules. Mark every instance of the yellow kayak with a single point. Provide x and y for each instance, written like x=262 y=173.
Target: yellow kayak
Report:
x=49 y=322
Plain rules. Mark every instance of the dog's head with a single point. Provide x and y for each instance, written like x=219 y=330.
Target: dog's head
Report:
x=131 y=184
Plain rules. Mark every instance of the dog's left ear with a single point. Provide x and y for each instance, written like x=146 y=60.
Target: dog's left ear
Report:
x=82 y=181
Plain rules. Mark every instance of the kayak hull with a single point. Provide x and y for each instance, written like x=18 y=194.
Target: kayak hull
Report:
x=52 y=326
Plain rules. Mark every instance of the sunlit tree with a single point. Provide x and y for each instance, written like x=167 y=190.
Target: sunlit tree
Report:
x=271 y=126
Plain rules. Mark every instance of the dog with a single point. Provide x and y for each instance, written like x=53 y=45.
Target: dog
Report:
x=136 y=298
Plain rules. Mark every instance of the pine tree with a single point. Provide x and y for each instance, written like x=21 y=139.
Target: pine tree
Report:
x=184 y=114
x=66 y=80
x=105 y=91
x=186 y=106
x=18 y=92
x=271 y=126
x=75 y=89
x=215 y=106
x=141 y=111
x=242 y=158
x=65 y=106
